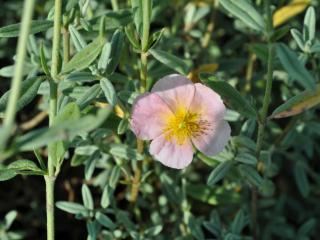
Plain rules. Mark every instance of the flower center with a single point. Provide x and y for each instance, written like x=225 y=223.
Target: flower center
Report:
x=182 y=125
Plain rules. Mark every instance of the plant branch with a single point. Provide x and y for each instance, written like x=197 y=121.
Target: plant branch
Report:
x=264 y=111
x=50 y=179
x=21 y=54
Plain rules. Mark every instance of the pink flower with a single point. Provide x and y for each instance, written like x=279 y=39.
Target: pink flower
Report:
x=178 y=115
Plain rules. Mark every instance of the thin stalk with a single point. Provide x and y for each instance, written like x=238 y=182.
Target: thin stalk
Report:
x=140 y=144
x=50 y=206
x=50 y=179
x=143 y=72
x=21 y=54
x=264 y=112
x=115 y=5
x=146 y=14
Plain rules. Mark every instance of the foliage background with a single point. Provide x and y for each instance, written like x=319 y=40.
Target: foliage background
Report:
x=170 y=203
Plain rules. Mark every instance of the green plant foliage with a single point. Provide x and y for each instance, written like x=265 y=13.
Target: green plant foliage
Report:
x=71 y=143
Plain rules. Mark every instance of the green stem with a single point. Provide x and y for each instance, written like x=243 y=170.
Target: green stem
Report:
x=50 y=206
x=264 y=111
x=146 y=15
x=140 y=144
x=115 y=5
x=50 y=179
x=21 y=54
x=143 y=72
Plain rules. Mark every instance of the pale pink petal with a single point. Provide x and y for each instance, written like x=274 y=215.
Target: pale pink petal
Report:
x=215 y=132
x=176 y=90
x=170 y=153
x=214 y=140
x=148 y=116
x=207 y=103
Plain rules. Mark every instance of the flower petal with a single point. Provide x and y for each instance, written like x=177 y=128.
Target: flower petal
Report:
x=207 y=103
x=148 y=116
x=176 y=90
x=214 y=140
x=216 y=131
x=170 y=153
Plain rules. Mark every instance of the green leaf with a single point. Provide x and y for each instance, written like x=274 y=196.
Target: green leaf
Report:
x=105 y=221
x=170 y=61
x=301 y=178
x=297 y=104
x=81 y=77
x=279 y=33
x=105 y=199
x=195 y=228
x=153 y=231
x=309 y=25
x=123 y=126
x=232 y=97
x=36 y=26
x=294 y=67
x=246 y=158
x=9 y=218
x=90 y=165
x=251 y=174
x=219 y=172
x=117 y=19
x=29 y=90
x=6 y=174
x=70 y=207
x=307 y=228
x=8 y=71
x=125 y=152
x=203 y=193
x=108 y=91
x=244 y=11
x=77 y=39
x=155 y=38
x=70 y=112
x=260 y=49
x=297 y=36
x=104 y=57
x=86 y=56
x=43 y=60
x=238 y=223
x=88 y=97
x=137 y=15
x=116 y=50
x=114 y=177
x=63 y=131
x=131 y=35
x=25 y=167
x=87 y=197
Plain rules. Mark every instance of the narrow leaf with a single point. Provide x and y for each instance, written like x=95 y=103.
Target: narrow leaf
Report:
x=87 y=197
x=70 y=207
x=36 y=26
x=29 y=90
x=170 y=61
x=219 y=172
x=85 y=57
x=108 y=91
x=243 y=10
x=116 y=50
x=294 y=67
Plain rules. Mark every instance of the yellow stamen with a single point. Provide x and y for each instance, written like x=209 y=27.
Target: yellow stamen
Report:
x=183 y=125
